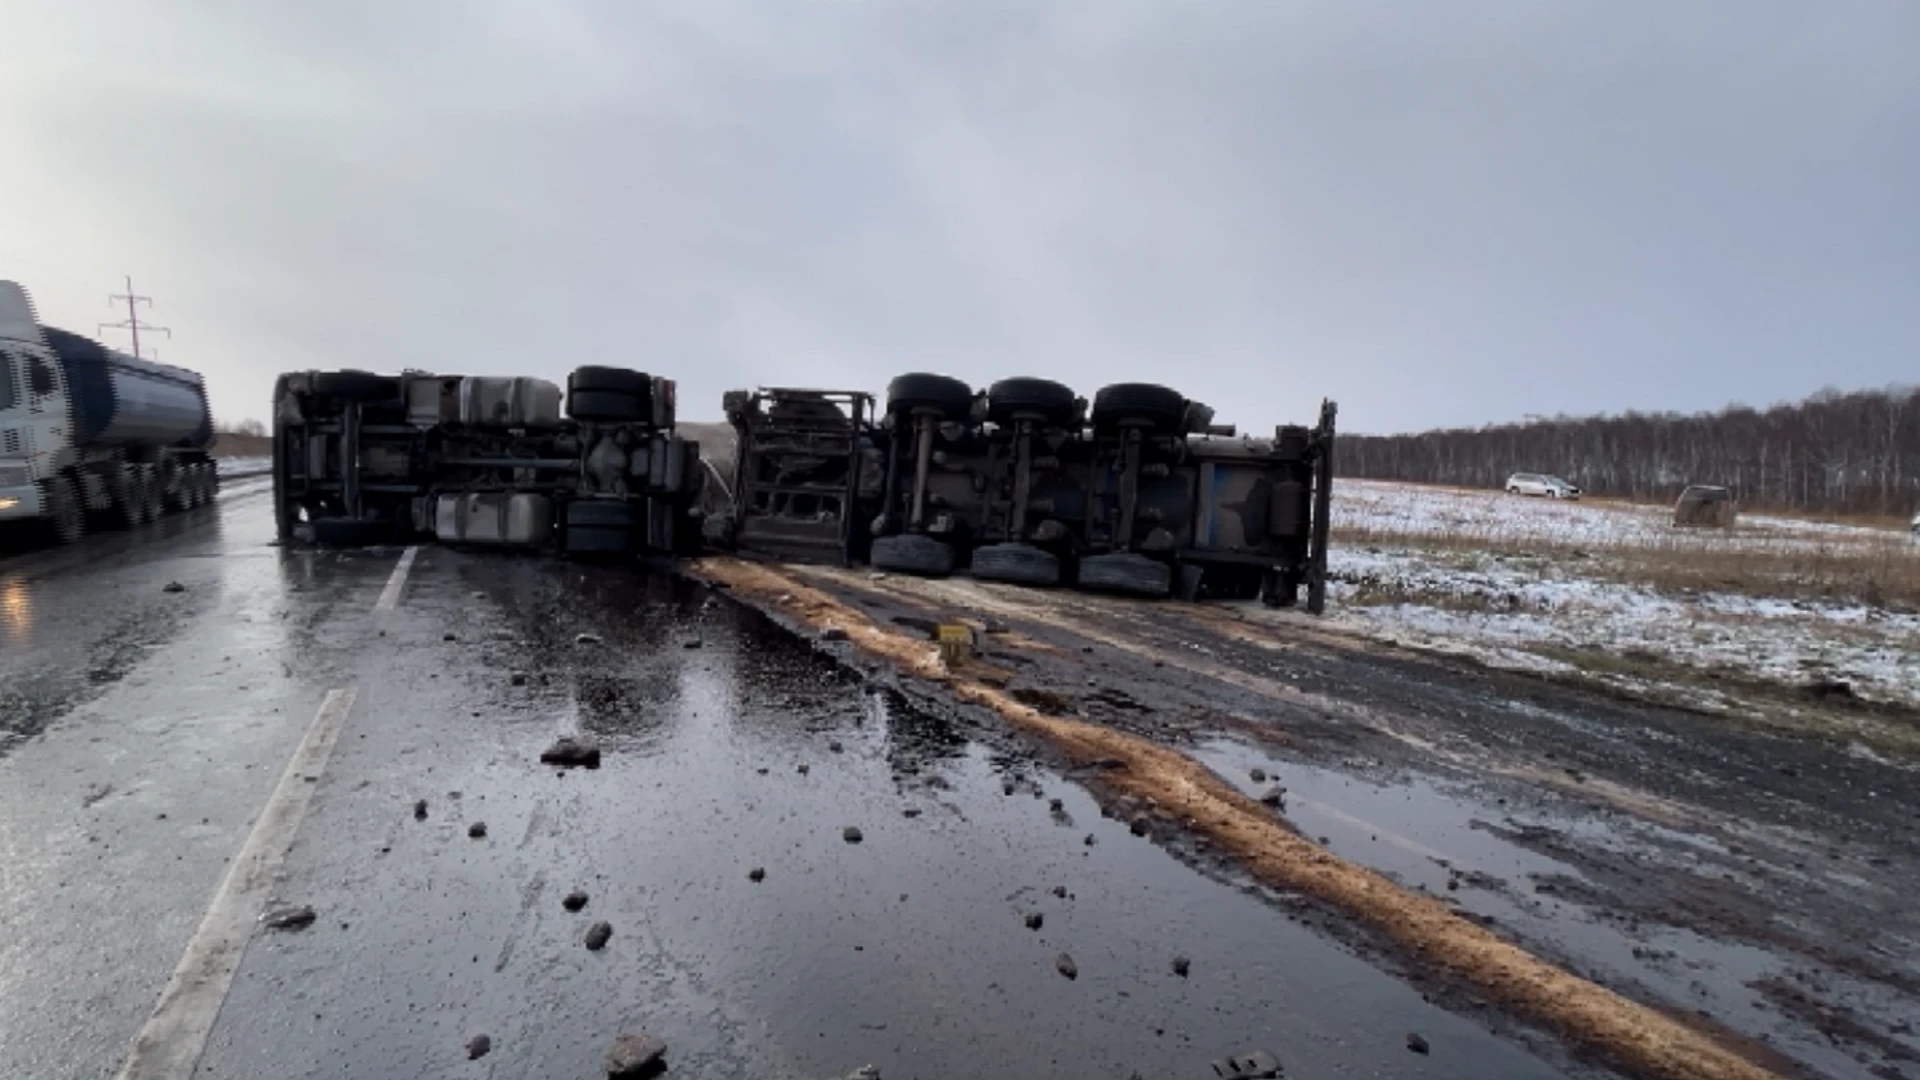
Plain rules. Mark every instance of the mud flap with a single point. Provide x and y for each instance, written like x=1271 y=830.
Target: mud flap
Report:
x=1322 y=509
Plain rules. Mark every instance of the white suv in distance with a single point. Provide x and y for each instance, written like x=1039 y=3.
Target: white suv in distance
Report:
x=1541 y=484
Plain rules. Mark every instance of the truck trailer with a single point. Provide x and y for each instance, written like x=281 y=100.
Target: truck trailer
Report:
x=92 y=437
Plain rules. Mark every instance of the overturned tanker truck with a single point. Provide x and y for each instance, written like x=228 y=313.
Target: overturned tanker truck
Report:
x=1136 y=491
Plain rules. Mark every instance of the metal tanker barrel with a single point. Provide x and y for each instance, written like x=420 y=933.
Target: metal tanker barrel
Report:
x=119 y=400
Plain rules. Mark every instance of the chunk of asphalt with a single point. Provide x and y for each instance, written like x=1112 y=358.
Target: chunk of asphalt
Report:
x=173 y=586
x=477 y=830
x=1056 y=805
x=802 y=769
x=1140 y=825
x=833 y=633
x=1274 y=796
x=597 y=936
x=574 y=901
x=1259 y=776
x=911 y=811
x=1060 y=891
x=835 y=747
x=758 y=873
x=448 y=636
x=569 y=752
x=1181 y=965
x=420 y=810
x=633 y=1056
x=1090 y=841
x=1417 y=1044
x=692 y=643
x=478 y=1046
x=588 y=639
x=1064 y=965
x=851 y=834
x=288 y=918
x=1258 y=1065
x=518 y=678
x=1034 y=920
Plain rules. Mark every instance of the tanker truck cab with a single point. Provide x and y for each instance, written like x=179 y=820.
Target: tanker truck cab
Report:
x=31 y=410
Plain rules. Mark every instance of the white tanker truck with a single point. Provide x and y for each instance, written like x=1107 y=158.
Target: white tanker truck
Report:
x=90 y=436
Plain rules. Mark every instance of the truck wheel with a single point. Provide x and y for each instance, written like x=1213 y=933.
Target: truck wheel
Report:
x=362 y=386
x=1049 y=400
x=607 y=406
x=611 y=379
x=66 y=518
x=156 y=499
x=1022 y=564
x=1159 y=407
x=350 y=532
x=912 y=553
x=1126 y=572
x=952 y=398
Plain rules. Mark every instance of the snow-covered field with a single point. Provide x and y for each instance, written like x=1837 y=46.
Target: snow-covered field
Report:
x=1591 y=587
x=235 y=467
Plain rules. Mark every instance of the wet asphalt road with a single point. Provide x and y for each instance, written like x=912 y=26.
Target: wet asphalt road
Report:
x=146 y=730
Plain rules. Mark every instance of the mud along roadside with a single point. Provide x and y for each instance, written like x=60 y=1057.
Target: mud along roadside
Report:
x=1636 y=849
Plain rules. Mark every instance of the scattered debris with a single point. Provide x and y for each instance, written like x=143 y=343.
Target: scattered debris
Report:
x=173 y=586
x=1090 y=841
x=288 y=918
x=448 y=636
x=634 y=1056
x=1274 y=796
x=758 y=873
x=1140 y=825
x=477 y=830
x=478 y=1046
x=1259 y=776
x=692 y=643
x=1417 y=1044
x=574 y=901
x=1064 y=965
x=836 y=747
x=518 y=678
x=1006 y=788
x=588 y=639
x=568 y=752
x=833 y=633
x=911 y=811
x=1060 y=891
x=851 y=835
x=597 y=936
x=1258 y=1065
x=803 y=769
x=1034 y=920
x=420 y=810
x=95 y=793
x=1181 y=965
x=1056 y=805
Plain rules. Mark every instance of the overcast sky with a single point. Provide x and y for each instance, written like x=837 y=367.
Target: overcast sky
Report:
x=1436 y=213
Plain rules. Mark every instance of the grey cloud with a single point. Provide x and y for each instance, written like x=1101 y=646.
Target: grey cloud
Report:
x=1436 y=213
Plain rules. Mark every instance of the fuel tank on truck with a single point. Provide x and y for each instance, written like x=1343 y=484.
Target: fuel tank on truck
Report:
x=119 y=400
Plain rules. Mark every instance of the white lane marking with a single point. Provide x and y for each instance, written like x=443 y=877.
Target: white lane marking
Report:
x=390 y=596
x=169 y=1046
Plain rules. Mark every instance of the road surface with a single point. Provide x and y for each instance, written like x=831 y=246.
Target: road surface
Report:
x=287 y=712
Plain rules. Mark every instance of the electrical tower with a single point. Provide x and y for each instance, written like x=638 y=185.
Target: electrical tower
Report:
x=132 y=323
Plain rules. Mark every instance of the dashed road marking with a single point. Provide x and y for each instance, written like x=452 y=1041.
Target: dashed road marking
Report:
x=396 y=582
x=170 y=1045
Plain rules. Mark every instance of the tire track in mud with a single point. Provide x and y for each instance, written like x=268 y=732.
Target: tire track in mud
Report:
x=1590 y=1018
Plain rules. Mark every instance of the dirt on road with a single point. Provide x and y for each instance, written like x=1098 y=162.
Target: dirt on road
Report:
x=1674 y=894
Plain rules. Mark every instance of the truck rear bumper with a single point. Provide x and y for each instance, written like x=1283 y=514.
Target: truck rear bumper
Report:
x=20 y=503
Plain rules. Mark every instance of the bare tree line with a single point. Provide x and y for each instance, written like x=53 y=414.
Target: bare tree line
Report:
x=1852 y=453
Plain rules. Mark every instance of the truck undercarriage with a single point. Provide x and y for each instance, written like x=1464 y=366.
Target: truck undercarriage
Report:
x=1135 y=492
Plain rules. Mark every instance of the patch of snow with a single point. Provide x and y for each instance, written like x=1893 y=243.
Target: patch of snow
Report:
x=235 y=467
